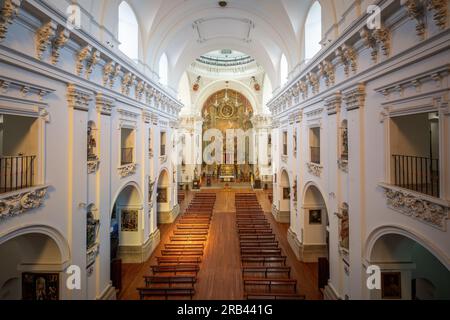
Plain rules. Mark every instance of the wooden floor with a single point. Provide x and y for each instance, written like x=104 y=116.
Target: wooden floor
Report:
x=220 y=274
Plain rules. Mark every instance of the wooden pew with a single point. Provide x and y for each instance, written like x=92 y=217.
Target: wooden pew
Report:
x=184 y=246
x=260 y=251
x=266 y=271
x=248 y=260
x=256 y=237
x=170 y=280
x=271 y=283
x=178 y=260
x=262 y=243
x=203 y=232
x=186 y=268
x=188 y=238
x=165 y=292
x=177 y=252
x=274 y=296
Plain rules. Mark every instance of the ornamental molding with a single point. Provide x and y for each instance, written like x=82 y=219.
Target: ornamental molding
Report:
x=58 y=43
x=83 y=55
x=434 y=75
x=429 y=210
x=92 y=254
x=104 y=104
x=417 y=10
x=127 y=114
x=327 y=72
x=333 y=103
x=110 y=72
x=355 y=97
x=314 y=168
x=343 y=165
x=44 y=36
x=93 y=166
x=348 y=57
x=127 y=170
x=376 y=39
x=127 y=82
x=141 y=87
x=8 y=12
x=314 y=113
x=17 y=203
x=147 y=116
x=78 y=98
x=313 y=81
x=24 y=89
x=93 y=60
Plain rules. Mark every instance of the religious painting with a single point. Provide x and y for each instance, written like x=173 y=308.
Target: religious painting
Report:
x=162 y=195
x=315 y=216
x=391 y=285
x=129 y=220
x=286 y=193
x=40 y=286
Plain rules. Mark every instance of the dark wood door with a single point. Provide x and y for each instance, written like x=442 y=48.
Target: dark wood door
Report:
x=324 y=272
x=116 y=273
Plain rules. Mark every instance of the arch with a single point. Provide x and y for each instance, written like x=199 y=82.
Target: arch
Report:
x=31 y=249
x=284 y=70
x=313 y=31
x=134 y=184
x=407 y=264
x=128 y=31
x=49 y=231
x=380 y=231
x=217 y=85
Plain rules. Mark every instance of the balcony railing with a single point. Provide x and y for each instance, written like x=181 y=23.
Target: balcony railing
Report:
x=315 y=155
x=420 y=174
x=16 y=172
x=163 y=150
x=127 y=156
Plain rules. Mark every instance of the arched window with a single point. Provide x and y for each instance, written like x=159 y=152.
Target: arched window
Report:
x=128 y=31
x=313 y=31
x=163 y=69
x=283 y=70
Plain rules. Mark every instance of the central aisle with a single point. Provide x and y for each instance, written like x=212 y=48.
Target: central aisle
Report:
x=220 y=276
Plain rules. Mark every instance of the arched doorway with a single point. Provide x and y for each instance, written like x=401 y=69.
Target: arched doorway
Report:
x=285 y=193
x=125 y=229
x=408 y=270
x=315 y=233
x=32 y=266
x=163 y=198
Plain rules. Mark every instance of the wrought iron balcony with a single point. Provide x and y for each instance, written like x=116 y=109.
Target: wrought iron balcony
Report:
x=17 y=172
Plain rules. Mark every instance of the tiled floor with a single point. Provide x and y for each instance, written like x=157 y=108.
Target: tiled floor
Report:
x=220 y=272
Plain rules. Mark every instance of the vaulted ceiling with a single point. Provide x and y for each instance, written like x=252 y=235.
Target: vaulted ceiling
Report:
x=186 y=29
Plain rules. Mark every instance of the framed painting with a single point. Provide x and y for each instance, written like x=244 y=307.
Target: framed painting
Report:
x=391 y=285
x=40 y=286
x=315 y=216
x=129 y=220
x=162 y=195
x=286 y=193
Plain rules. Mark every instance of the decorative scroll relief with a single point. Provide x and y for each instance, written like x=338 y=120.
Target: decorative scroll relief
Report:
x=376 y=38
x=58 y=43
x=333 y=103
x=93 y=165
x=8 y=12
x=44 y=37
x=127 y=82
x=348 y=57
x=326 y=70
x=343 y=165
x=314 y=168
x=82 y=57
x=78 y=98
x=21 y=202
x=91 y=62
x=127 y=170
x=417 y=10
x=432 y=211
x=104 y=104
x=27 y=90
x=110 y=72
x=92 y=254
x=355 y=97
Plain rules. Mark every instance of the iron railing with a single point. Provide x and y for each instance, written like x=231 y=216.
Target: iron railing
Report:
x=16 y=172
x=127 y=156
x=419 y=174
x=315 y=155
x=163 y=150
